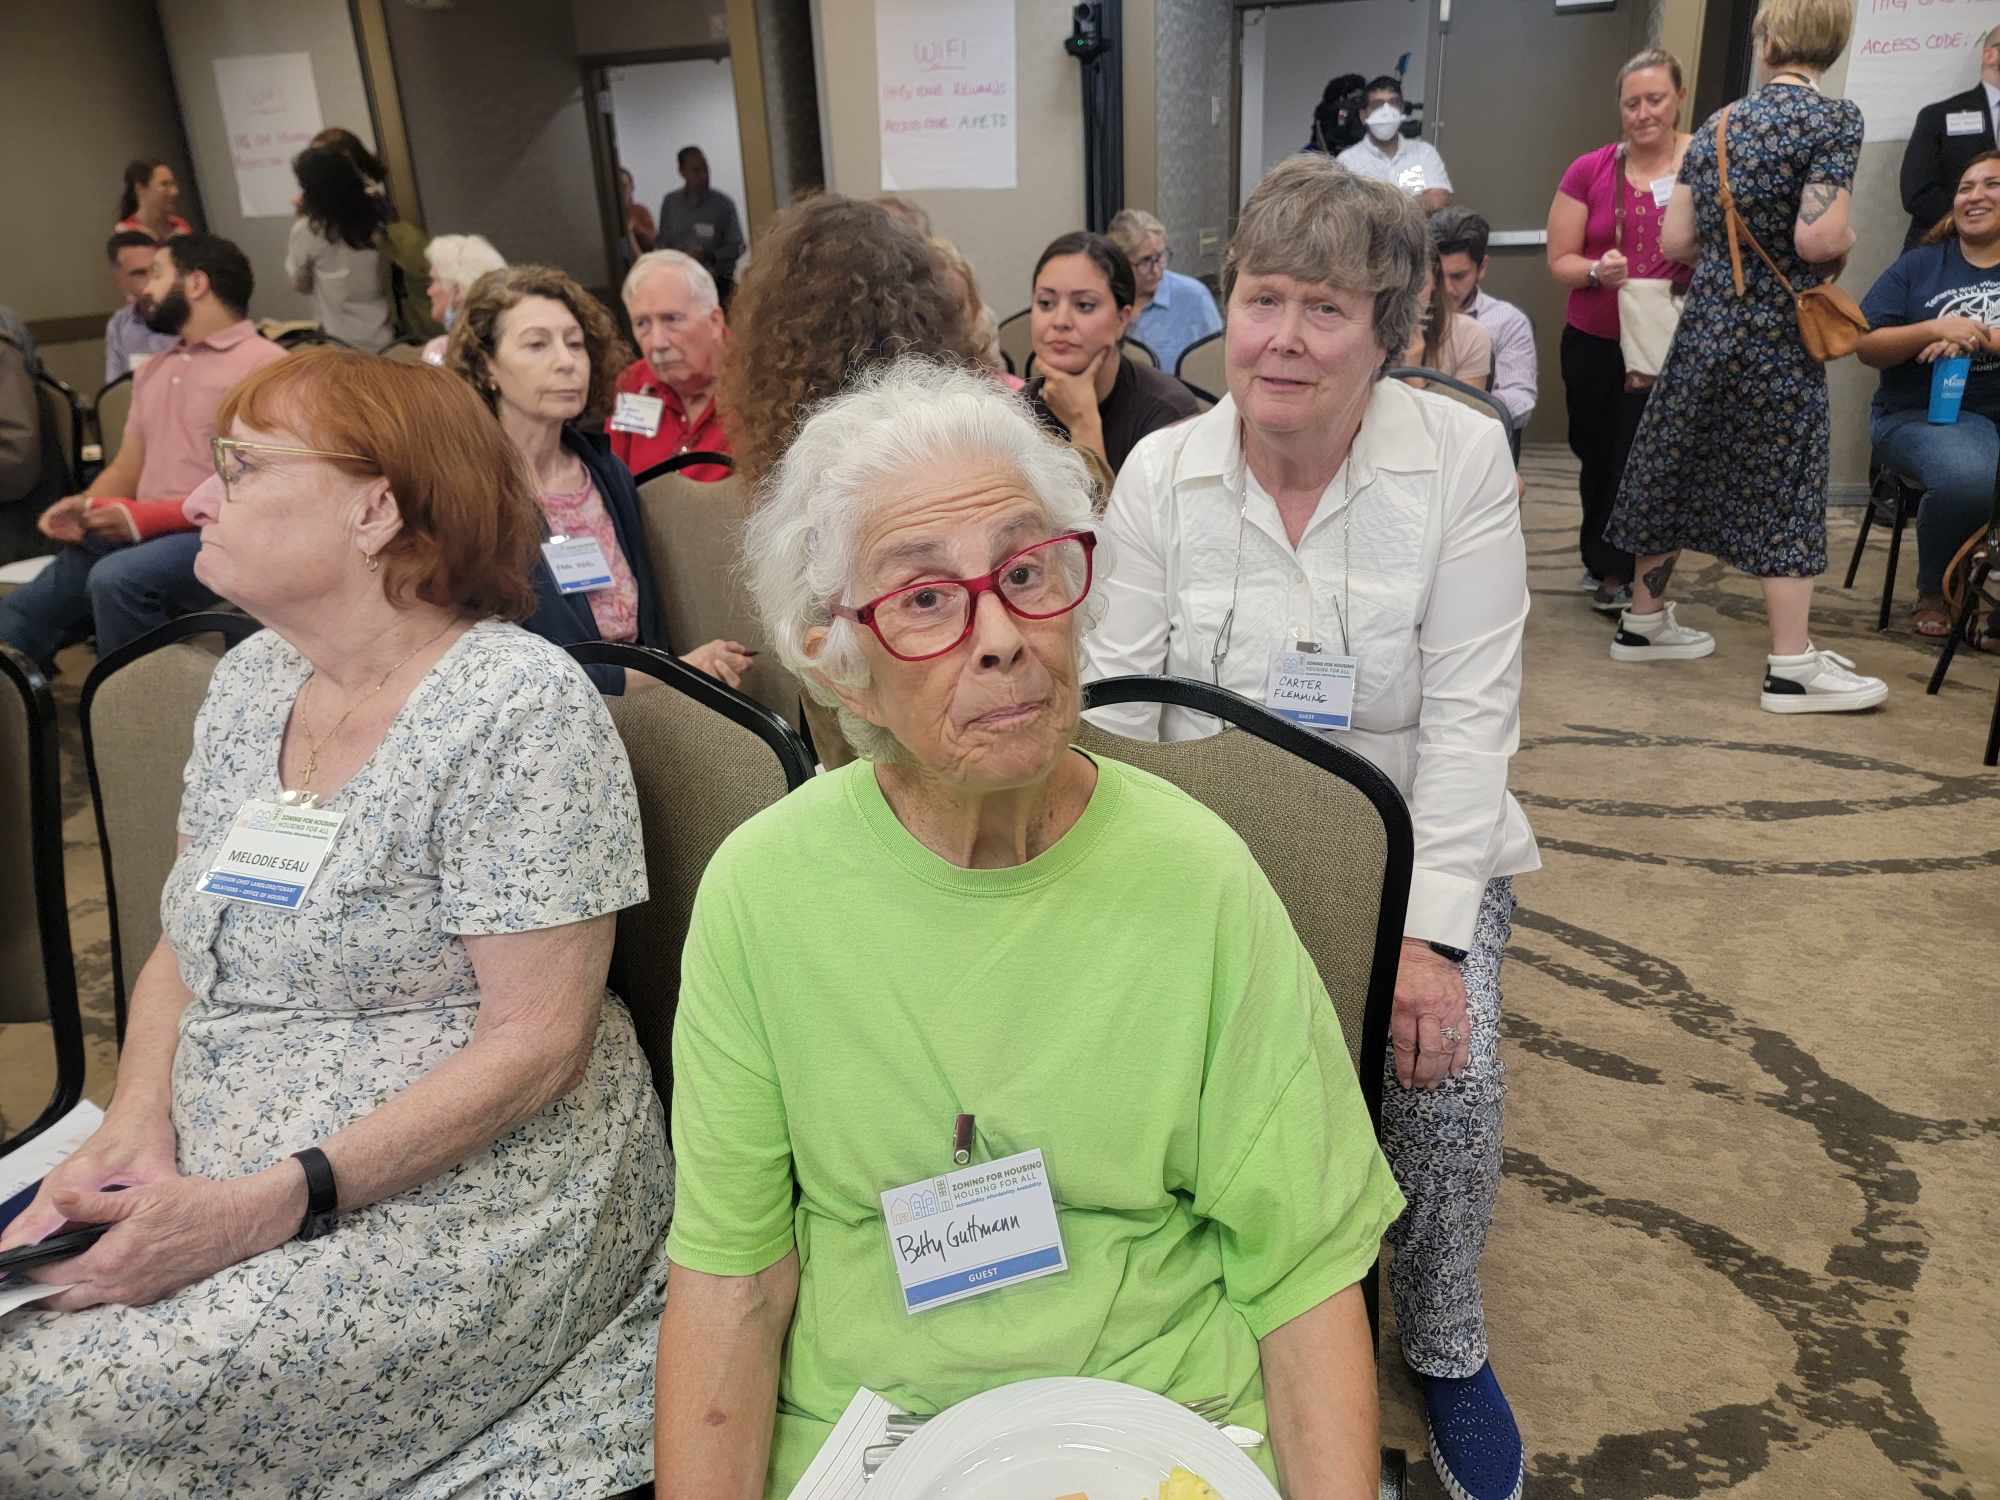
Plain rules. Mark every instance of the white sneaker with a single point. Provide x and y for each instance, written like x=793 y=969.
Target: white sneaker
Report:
x=1819 y=682
x=1657 y=637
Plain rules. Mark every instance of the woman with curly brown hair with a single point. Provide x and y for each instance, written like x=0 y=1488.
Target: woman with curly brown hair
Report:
x=542 y=352
x=837 y=287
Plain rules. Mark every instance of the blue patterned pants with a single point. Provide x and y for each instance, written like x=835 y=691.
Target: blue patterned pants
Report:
x=1444 y=1146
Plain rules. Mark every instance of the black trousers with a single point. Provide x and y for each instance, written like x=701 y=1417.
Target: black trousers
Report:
x=1603 y=417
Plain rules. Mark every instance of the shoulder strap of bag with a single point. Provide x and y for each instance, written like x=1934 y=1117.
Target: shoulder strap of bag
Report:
x=1618 y=199
x=1734 y=220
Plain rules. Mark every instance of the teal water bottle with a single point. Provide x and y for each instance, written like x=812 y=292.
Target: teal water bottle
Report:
x=1948 y=377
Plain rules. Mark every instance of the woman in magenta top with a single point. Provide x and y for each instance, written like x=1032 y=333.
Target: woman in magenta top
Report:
x=1604 y=401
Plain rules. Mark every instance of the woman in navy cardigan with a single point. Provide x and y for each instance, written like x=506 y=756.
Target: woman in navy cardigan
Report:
x=542 y=352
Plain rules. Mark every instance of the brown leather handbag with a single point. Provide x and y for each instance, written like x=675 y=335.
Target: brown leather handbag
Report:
x=1830 y=322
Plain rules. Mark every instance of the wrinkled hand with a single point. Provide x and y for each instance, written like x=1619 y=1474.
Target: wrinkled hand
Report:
x=120 y=1151
x=1073 y=398
x=1430 y=995
x=727 y=660
x=1611 y=271
x=63 y=521
x=164 y=1236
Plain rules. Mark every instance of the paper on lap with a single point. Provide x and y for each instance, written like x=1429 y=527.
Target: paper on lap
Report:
x=47 y=1151
x=836 y=1473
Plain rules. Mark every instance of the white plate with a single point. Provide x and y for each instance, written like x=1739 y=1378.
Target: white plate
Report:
x=1043 y=1438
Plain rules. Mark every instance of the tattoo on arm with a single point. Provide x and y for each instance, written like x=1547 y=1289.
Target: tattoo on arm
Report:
x=1816 y=200
x=1656 y=578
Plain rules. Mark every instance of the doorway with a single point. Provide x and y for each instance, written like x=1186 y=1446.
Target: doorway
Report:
x=1289 y=52
x=650 y=110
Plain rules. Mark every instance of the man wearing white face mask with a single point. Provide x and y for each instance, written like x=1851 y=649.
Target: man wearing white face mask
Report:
x=1390 y=156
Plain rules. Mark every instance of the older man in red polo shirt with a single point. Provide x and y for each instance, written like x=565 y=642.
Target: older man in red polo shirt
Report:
x=666 y=399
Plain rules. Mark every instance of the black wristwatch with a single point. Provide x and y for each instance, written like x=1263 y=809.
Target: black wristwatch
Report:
x=1446 y=951
x=322 y=1197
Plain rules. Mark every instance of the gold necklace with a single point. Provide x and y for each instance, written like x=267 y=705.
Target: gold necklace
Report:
x=314 y=746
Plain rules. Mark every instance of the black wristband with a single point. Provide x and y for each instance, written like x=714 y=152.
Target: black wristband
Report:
x=322 y=1196
x=1446 y=951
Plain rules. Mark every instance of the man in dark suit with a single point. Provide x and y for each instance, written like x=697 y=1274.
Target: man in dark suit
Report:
x=1947 y=135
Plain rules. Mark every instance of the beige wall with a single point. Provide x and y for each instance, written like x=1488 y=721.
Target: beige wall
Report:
x=1002 y=233
x=613 y=26
x=493 y=94
x=82 y=91
x=200 y=31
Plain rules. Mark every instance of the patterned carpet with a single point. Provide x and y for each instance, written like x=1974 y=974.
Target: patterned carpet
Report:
x=1753 y=1172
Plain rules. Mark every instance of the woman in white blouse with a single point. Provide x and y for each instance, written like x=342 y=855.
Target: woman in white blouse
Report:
x=1320 y=509
x=334 y=251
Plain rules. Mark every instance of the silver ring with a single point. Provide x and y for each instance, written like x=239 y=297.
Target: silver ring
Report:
x=1449 y=1033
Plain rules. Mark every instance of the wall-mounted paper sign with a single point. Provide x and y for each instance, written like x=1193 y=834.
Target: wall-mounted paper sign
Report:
x=1907 y=53
x=947 y=99
x=270 y=109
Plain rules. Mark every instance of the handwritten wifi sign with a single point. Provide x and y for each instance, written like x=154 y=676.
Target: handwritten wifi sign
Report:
x=947 y=93
x=1907 y=53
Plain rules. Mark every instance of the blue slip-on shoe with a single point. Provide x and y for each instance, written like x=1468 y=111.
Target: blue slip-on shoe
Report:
x=1475 y=1446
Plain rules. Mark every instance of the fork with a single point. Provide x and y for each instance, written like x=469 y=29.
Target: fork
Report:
x=902 y=1426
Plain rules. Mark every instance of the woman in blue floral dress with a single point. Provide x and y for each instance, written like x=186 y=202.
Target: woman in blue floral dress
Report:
x=1731 y=456
x=478 y=1315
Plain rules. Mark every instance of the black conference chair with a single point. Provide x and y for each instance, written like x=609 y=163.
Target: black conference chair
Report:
x=1892 y=500
x=704 y=760
x=139 y=706
x=1332 y=835
x=62 y=411
x=684 y=461
x=37 y=967
x=1468 y=395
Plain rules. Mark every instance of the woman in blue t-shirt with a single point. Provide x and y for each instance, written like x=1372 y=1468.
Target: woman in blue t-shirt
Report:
x=1938 y=300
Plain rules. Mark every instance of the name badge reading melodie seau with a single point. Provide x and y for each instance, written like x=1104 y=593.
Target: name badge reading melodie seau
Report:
x=973 y=1231
x=272 y=854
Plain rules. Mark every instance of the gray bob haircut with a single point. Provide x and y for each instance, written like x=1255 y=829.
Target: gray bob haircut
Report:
x=1314 y=221
x=701 y=285
x=891 y=431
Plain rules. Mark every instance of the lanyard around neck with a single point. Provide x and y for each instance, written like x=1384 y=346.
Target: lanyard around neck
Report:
x=1240 y=486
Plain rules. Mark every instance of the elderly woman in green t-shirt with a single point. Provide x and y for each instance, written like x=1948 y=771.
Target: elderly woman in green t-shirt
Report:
x=978 y=938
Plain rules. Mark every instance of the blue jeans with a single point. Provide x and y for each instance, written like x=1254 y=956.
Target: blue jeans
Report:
x=1956 y=466
x=120 y=591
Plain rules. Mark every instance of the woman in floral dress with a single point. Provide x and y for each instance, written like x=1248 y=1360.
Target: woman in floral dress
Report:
x=1731 y=456
x=395 y=1180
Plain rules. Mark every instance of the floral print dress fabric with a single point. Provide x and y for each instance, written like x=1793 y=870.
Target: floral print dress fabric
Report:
x=490 y=1332
x=1731 y=456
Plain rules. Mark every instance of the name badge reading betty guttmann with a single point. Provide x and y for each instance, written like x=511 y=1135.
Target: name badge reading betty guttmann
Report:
x=973 y=1231
x=271 y=854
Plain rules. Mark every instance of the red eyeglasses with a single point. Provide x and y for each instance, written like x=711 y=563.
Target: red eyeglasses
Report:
x=923 y=620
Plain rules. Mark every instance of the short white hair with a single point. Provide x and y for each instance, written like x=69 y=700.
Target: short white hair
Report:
x=458 y=260
x=892 y=427
x=700 y=285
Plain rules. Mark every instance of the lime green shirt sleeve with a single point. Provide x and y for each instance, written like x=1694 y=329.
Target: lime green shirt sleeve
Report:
x=733 y=1209
x=1292 y=1176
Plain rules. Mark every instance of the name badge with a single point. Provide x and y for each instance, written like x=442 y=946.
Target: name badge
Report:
x=1313 y=689
x=973 y=1231
x=578 y=564
x=271 y=854
x=636 y=413
x=1963 y=122
x=1663 y=189
x=705 y=231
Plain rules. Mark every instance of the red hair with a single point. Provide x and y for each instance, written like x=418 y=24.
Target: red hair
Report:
x=471 y=522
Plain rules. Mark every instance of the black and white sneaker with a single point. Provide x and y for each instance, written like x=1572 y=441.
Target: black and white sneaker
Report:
x=1819 y=682
x=1658 y=637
